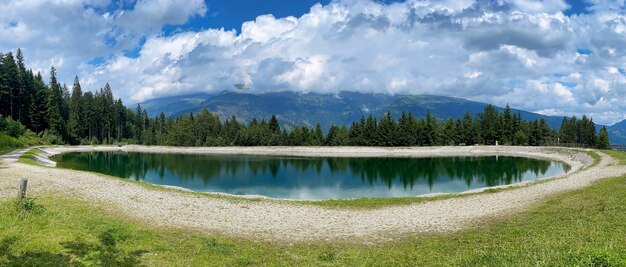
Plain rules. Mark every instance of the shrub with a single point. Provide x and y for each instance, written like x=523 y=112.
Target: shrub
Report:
x=28 y=205
x=51 y=138
x=29 y=138
x=9 y=141
x=11 y=127
x=121 y=143
x=85 y=141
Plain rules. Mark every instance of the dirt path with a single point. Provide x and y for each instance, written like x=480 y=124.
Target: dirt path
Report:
x=273 y=220
x=14 y=155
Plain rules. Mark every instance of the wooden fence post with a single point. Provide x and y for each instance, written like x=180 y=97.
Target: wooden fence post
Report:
x=22 y=193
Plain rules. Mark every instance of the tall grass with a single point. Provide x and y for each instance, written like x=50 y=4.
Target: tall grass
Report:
x=9 y=141
x=15 y=135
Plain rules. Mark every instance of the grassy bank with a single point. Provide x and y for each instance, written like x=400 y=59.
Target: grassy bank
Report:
x=10 y=143
x=585 y=227
x=29 y=157
x=5 y=150
x=619 y=155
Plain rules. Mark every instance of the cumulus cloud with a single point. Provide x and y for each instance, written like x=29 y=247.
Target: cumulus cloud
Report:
x=73 y=34
x=525 y=53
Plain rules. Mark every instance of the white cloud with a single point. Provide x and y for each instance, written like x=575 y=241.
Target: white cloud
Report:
x=525 y=53
x=71 y=33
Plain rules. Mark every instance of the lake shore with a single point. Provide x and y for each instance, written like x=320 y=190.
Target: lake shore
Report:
x=279 y=220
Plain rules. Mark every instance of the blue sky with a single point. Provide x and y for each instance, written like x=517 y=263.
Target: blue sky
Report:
x=554 y=57
x=233 y=13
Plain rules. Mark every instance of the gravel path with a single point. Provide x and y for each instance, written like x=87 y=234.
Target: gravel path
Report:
x=272 y=220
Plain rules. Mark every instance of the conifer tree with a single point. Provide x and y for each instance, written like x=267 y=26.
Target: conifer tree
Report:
x=22 y=96
x=274 y=126
x=507 y=125
x=55 y=105
x=75 y=122
x=430 y=128
x=318 y=135
x=11 y=85
x=603 y=139
x=120 y=112
x=386 y=131
x=90 y=115
x=139 y=124
x=39 y=108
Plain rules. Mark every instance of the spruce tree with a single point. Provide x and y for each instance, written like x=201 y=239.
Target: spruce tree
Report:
x=331 y=137
x=507 y=125
x=11 y=85
x=469 y=136
x=318 y=135
x=450 y=133
x=90 y=115
x=489 y=125
x=108 y=114
x=430 y=129
x=4 y=89
x=75 y=123
x=39 y=108
x=387 y=131
x=55 y=105
x=603 y=139
x=22 y=96
x=274 y=126
x=138 y=123
x=120 y=112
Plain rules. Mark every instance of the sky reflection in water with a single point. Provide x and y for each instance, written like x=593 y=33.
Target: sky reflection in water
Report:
x=312 y=177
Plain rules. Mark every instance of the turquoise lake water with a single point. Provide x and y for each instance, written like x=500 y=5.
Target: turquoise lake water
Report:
x=314 y=177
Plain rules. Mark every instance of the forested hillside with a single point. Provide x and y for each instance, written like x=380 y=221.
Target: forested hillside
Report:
x=56 y=114
x=295 y=108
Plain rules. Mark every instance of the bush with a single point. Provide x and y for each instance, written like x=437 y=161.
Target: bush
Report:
x=11 y=127
x=51 y=138
x=85 y=141
x=9 y=141
x=29 y=138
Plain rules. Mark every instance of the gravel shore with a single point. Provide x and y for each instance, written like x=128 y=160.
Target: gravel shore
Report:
x=292 y=221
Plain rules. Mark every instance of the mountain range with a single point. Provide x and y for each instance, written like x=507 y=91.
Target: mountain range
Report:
x=343 y=108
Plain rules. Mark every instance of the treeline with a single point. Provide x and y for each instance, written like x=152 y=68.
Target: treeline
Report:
x=61 y=117
x=56 y=114
x=488 y=127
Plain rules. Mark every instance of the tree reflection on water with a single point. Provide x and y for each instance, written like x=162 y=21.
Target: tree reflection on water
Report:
x=405 y=172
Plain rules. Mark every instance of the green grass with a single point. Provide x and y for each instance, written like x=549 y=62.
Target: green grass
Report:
x=586 y=227
x=616 y=154
x=5 y=150
x=10 y=143
x=29 y=157
x=595 y=156
x=373 y=203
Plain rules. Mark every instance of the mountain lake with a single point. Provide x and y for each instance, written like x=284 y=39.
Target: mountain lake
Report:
x=314 y=178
